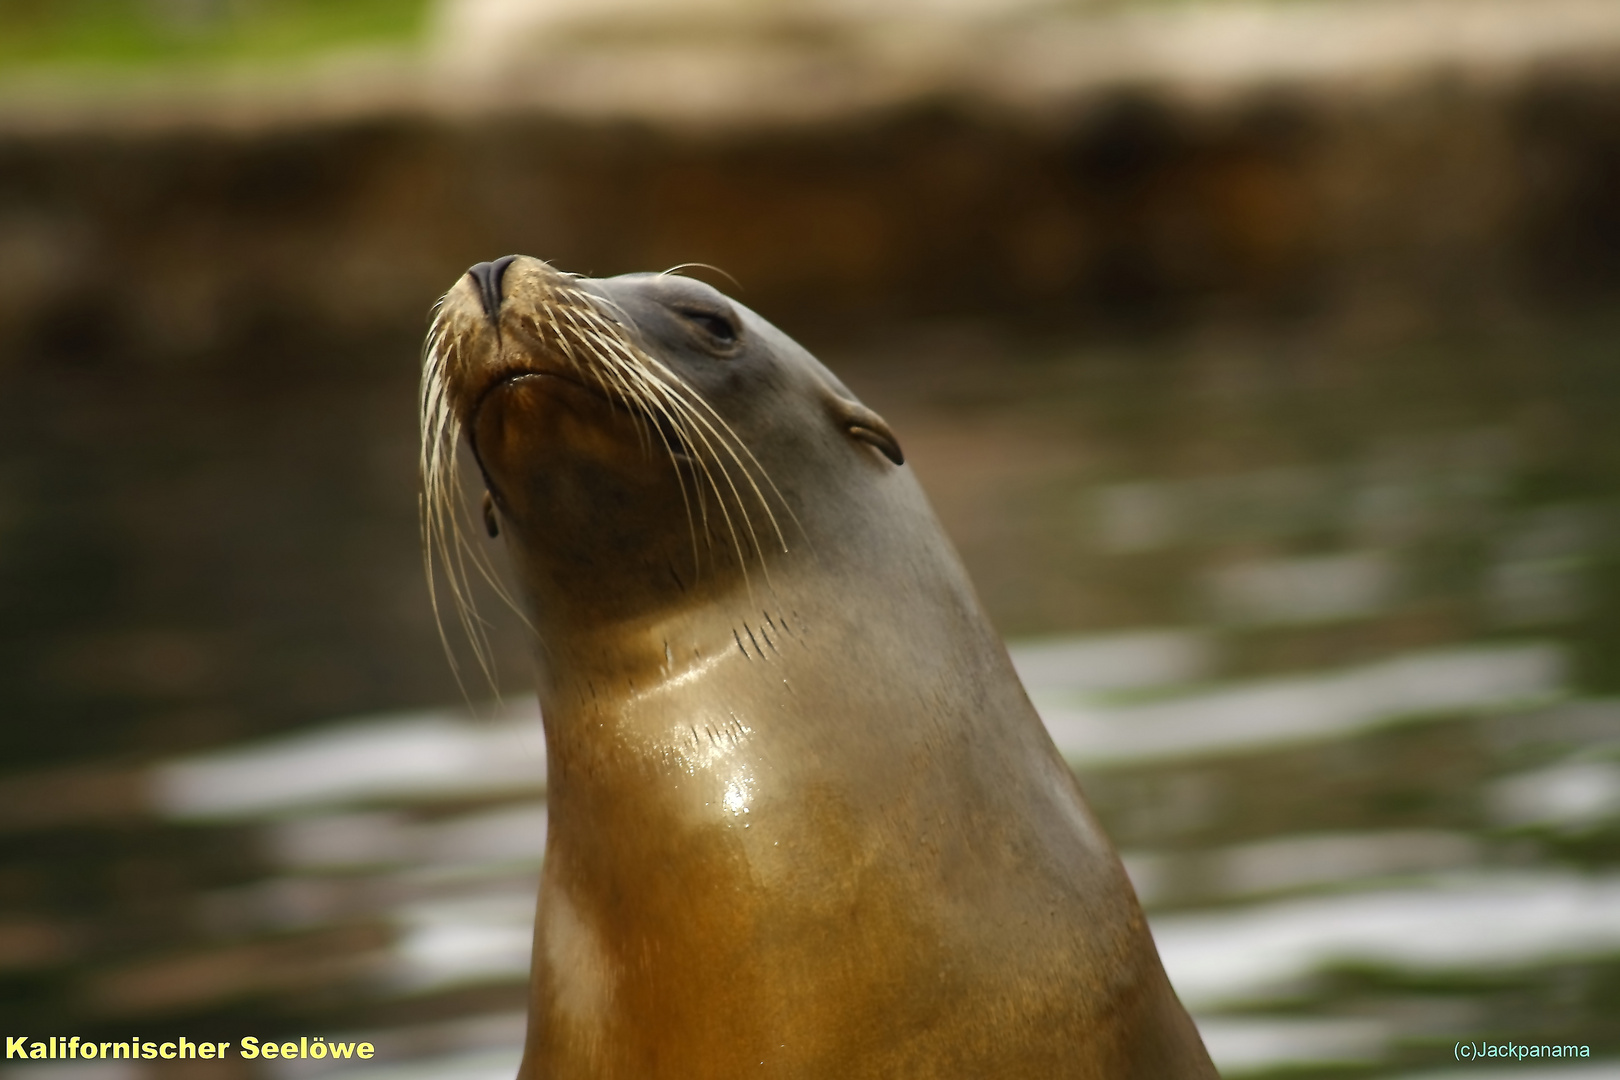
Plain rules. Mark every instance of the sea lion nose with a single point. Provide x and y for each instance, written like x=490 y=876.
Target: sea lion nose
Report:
x=487 y=276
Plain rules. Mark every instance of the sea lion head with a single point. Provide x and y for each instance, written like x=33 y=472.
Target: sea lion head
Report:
x=645 y=440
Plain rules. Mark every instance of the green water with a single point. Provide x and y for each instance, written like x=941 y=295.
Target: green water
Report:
x=1411 y=532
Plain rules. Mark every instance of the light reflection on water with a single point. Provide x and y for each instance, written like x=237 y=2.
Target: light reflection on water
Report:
x=1301 y=708
x=436 y=754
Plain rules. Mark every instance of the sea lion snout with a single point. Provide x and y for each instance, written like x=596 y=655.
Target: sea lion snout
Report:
x=487 y=276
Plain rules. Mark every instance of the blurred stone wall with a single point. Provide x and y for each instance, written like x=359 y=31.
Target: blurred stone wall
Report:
x=1127 y=207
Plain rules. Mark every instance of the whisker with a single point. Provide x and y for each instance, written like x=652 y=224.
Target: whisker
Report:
x=707 y=266
x=442 y=508
x=731 y=442
x=644 y=366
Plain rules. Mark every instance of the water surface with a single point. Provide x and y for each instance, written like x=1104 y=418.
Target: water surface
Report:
x=1326 y=623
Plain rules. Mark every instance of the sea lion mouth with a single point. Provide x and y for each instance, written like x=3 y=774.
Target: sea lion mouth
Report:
x=668 y=437
x=503 y=379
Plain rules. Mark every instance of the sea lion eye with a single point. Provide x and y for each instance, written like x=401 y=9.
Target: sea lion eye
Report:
x=712 y=323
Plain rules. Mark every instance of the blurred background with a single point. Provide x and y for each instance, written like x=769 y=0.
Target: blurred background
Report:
x=1262 y=358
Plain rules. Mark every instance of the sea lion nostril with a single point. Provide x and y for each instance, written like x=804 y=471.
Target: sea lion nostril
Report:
x=487 y=276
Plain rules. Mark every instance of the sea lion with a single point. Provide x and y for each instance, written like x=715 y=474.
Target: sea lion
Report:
x=804 y=821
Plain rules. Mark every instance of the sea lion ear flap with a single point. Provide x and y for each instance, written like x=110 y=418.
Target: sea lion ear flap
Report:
x=867 y=426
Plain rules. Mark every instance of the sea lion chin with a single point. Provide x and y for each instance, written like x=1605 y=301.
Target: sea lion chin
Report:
x=803 y=819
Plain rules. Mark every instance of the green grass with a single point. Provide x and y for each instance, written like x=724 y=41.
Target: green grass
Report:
x=124 y=33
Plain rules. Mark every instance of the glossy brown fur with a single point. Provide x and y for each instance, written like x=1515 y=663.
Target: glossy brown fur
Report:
x=803 y=820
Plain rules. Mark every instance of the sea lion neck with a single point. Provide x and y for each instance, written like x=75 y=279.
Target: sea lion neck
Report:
x=629 y=695
x=581 y=651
